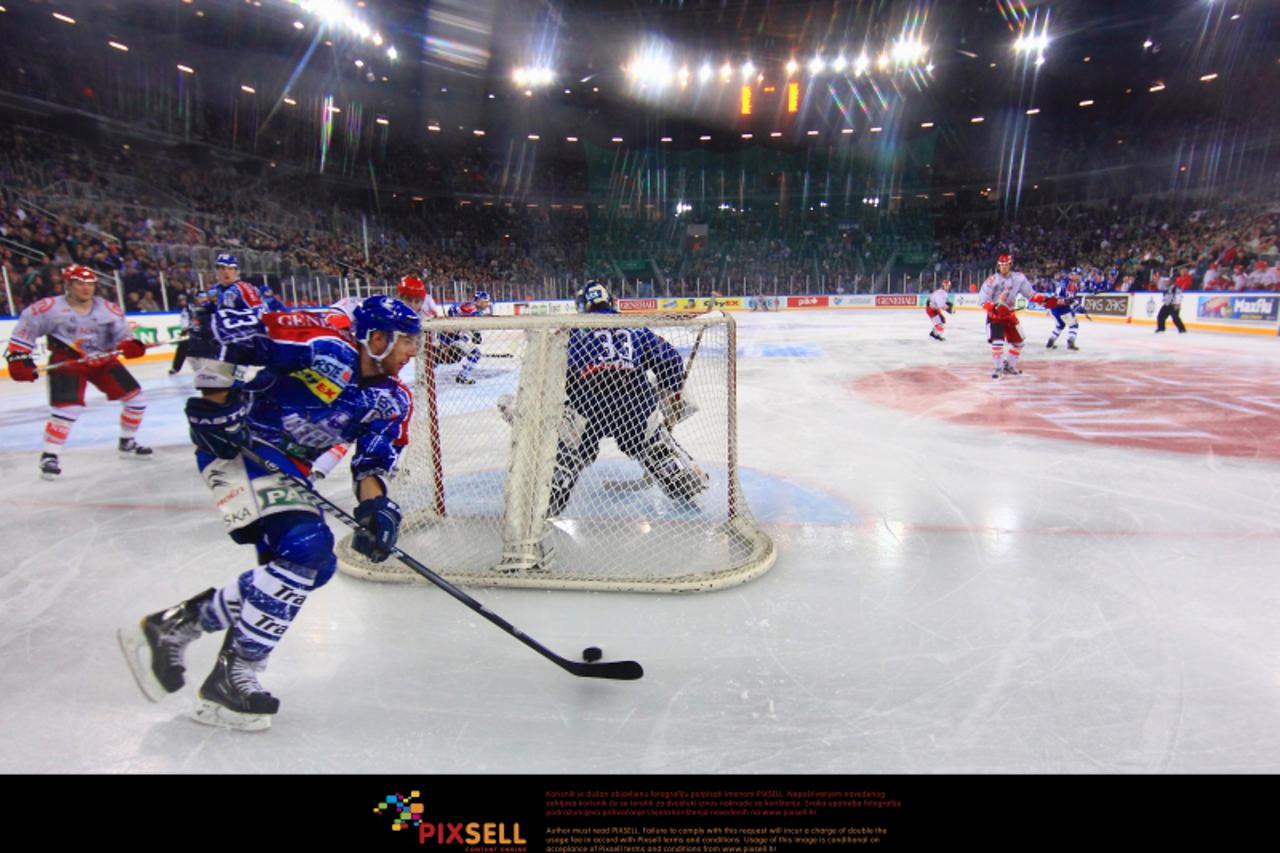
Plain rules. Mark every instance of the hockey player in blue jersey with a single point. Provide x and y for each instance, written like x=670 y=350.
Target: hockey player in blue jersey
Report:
x=609 y=393
x=228 y=292
x=465 y=346
x=318 y=386
x=1063 y=304
x=270 y=300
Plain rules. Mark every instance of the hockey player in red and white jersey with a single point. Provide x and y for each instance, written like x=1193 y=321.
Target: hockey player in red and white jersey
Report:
x=412 y=292
x=87 y=334
x=998 y=296
x=937 y=307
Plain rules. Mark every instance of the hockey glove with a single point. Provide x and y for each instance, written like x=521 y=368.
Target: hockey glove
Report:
x=951 y=308
x=381 y=519
x=218 y=428
x=21 y=367
x=1051 y=303
x=132 y=348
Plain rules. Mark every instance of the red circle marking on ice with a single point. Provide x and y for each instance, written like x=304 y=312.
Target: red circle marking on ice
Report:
x=1224 y=409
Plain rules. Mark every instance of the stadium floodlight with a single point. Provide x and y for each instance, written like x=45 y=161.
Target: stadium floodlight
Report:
x=907 y=52
x=705 y=72
x=186 y=69
x=66 y=19
x=846 y=130
x=726 y=71
x=478 y=132
x=665 y=139
x=747 y=70
x=434 y=128
x=977 y=120
x=704 y=138
x=816 y=65
x=811 y=133
x=382 y=121
x=775 y=134
x=792 y=66
x=616 y=139
x=926 y=124
x=534 y=137
x=1207 y=77
x=682 y=77
x=248 y=89
x=291 y=102
x=1146 y=45
x=359 y=63
x=392 y=53
x=571 y=139
x=377 y=39
x=520 y=76
x=839 y=64
x=1034 y=111
x=1040 y=60
x=1085 y=104
x=1032 y=43
x=876 y=129
x=746 y=136
x=1157 y=87
x=883 y=61
x=123 y=48
x=297 y=25
x=861 y=64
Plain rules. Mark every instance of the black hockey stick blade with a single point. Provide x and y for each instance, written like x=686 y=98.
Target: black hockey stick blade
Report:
x=620 y=670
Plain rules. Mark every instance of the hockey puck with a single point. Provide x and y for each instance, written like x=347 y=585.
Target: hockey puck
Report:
x=591 y=654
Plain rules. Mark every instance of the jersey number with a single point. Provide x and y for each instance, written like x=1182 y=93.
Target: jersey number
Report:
x=616 y=346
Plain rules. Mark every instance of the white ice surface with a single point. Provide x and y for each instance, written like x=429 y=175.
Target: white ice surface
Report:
x=947 y=599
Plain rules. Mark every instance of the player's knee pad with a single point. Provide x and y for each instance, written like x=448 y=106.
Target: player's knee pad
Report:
x=673 y=467
x=305 y=542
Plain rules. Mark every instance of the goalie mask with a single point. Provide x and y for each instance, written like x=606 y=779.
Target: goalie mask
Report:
x=594 y=297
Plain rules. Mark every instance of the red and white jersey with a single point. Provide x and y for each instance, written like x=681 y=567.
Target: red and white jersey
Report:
x=938 y=301
x=430 y=309
x=92 y=333
x=1005 y=289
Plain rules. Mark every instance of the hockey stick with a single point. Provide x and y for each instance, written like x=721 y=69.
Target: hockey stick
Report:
x=103 y=357
x=625 y=670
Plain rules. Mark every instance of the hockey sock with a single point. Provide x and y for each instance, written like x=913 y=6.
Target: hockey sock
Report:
x=223 y=610
x=1071 y=333
x=326 y=463
x=272 y=596
x=1014 y=352
x=473 y=358
x=131 y=416
x=937 y=327
x=59 y=426
x=997 y=352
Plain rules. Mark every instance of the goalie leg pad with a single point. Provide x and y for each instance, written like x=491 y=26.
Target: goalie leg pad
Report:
x=571 y=461
x=673 y=467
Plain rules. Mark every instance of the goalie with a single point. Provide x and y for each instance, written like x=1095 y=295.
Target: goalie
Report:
x=609 y=394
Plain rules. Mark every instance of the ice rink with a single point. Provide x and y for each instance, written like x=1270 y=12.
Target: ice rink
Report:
x=1063 y=572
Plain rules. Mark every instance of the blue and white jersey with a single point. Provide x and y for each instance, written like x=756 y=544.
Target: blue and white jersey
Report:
x=309 y=396
x=1068 y=295
x=607 y=372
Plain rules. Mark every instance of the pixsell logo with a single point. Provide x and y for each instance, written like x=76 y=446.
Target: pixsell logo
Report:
x=408 y=814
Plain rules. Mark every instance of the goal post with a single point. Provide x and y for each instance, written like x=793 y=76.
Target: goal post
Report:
x=523 y=479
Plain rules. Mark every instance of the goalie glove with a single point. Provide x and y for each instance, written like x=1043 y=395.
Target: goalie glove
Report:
x=675 y=408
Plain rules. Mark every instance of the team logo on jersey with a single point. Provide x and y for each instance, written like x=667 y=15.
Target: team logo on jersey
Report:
x=276 y=496
x=324 y=388
x=408 y=814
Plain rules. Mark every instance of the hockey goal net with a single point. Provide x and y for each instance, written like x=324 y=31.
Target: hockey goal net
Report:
x=499 y=485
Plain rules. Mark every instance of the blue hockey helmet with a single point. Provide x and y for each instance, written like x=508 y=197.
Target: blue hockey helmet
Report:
x=594 y=296
x=385 y=314
x=481 y=296
x=226 y=259
x=1076 y=272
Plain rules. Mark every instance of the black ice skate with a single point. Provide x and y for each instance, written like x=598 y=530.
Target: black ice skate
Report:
x=1012 y=371
x=231 y=696
x=155 y=646
x=1052 y=344
x=995 y=374
x=130 y=449
x=1072 y=345
x=464 y=380
x=49 y=469
x=936 y=336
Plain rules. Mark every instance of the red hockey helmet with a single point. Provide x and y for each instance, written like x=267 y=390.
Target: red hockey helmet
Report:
x=411 y=287
x=1004 y=259
x=79 y=272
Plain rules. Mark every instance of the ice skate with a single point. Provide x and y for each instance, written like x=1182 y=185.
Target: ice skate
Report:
x=155 y=646
x=49 y=468
x=231 y=697
x=130 y=449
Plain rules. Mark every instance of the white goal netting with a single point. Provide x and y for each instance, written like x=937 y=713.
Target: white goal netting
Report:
x=568 y=461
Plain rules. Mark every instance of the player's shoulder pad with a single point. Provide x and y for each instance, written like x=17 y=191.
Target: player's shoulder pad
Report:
x=111 y=306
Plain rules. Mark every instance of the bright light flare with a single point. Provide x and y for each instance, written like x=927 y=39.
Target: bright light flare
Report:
x=705 y=72
x=792 y=66
x=1157 y=87
x=861 y=64
x=747 y=70
x=186 y=69
x=248 y=89
x=66 y=19
x=1207 y=77
x=123 y=48
x=816 y=65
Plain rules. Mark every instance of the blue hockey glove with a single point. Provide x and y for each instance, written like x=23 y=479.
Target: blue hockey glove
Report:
x=218 y=428
x=381 y=519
